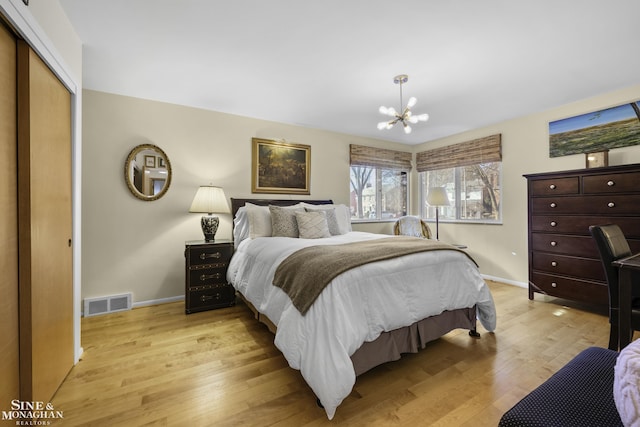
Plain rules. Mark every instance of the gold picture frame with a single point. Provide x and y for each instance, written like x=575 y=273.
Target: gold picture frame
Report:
x=278 y=167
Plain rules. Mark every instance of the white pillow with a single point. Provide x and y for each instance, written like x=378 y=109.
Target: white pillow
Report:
x=259 y=220
x=240 y=226
x=626 y=384
x=312 y=225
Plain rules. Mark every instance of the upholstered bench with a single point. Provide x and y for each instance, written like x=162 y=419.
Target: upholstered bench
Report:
x=580 y=394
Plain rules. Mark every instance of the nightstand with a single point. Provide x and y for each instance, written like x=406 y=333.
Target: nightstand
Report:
x=206 y=284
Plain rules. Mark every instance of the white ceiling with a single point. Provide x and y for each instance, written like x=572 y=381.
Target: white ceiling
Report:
x=329 y=64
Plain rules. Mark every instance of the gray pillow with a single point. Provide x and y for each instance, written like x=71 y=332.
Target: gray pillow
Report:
x=283 y=221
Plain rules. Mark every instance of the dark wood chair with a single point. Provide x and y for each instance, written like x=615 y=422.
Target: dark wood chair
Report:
x=612 y=245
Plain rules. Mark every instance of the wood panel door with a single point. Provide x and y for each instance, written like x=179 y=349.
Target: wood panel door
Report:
x=45 y=228
x=9 y=336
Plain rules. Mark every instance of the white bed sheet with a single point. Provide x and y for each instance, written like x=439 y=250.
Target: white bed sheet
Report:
x=356 y=306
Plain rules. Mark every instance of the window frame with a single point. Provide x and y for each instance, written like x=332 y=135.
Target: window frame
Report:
x=457 y=201
x=379 y=194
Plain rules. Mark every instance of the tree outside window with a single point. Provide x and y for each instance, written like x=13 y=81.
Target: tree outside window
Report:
x=378 y=194
x=474 y=192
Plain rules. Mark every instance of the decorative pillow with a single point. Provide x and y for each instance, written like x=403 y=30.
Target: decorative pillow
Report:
x=332 y=221
x=626 y=384
x=312 y=225
x=343 y=215
x=259 y=220
x=283 y=221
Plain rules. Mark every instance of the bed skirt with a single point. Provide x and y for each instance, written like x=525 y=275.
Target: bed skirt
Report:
x=390 y=346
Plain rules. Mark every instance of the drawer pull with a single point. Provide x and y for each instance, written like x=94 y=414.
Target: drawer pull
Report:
x=553 y=223
x=554 y=243
x=554 y=264
x=553 y=205
x=611 y=183
x=611 y=205
x=554 y=285
x=213 y=255
x=204 y=277
x=552 y=186
x=204 y=298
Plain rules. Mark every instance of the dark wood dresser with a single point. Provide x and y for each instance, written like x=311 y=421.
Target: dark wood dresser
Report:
x=206 y=284
x=563 y=258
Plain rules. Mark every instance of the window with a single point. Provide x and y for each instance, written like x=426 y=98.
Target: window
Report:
x=378 y=183
x=378 y=194
x=471 y=174
x=474 y=192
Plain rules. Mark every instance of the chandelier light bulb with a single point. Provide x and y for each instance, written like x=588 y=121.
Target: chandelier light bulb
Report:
x=422 y=117
x=407 y=129
x=383 y=110
x=382 y=125
x=412 y=102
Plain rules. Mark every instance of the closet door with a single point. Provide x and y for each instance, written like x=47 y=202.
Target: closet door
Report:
x=9 y=344
x=44 y=206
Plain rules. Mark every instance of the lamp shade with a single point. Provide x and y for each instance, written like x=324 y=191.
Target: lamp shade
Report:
x=209 y=199
x=437 y=196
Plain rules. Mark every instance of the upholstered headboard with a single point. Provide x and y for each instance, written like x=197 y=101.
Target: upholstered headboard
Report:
x=238 y=203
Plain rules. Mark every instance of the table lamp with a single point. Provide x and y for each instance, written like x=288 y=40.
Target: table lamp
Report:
x=210 y=200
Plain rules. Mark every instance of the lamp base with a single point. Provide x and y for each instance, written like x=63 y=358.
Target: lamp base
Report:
x=209 y=225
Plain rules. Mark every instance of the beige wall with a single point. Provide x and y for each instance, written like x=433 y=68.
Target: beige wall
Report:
x=501 y=250
x=134 y=246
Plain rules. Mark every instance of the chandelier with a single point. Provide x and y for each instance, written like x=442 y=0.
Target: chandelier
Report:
x=406 y=117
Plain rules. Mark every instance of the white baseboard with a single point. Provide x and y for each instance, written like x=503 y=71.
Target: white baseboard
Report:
x=507 y=281
x=158 y=301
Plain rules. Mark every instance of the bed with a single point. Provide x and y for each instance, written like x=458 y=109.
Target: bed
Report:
x=367 y=315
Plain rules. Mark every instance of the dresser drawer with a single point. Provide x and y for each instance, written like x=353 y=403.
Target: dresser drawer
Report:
x=579 y=246
x=210 y=255
x=596 y=205
x=547 y=187
x=584 y=268
x=574 y=224
x=611 y=183
x=574 y=289
x=212 y=297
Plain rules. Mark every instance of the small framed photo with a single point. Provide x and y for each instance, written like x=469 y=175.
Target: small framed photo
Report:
x=597 y=160
x=161 y=163
x=150 y=161
x=279 y=167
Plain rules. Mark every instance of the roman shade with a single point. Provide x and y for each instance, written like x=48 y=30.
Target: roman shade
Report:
x=361 y=155
x=477 y=151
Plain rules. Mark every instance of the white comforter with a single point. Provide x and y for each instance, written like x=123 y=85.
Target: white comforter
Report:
x=356 y=306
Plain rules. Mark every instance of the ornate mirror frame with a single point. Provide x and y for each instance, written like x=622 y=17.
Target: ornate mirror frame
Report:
x=147 y=172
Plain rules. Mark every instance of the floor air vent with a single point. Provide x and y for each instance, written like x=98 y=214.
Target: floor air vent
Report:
x=103 y=305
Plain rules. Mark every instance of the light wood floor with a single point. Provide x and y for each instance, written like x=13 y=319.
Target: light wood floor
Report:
x=158 y=366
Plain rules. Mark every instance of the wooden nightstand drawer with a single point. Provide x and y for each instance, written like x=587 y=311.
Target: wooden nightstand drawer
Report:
x=209 y=298
x=210 y=254
x=208 y=275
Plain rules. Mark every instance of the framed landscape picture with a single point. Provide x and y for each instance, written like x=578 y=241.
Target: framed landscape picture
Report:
x=279 y=167
x=596 y=132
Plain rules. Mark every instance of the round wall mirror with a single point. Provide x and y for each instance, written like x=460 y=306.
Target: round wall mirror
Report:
x=147 y=172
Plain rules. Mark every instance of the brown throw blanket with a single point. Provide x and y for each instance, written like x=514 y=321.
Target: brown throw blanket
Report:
x=305 y=273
